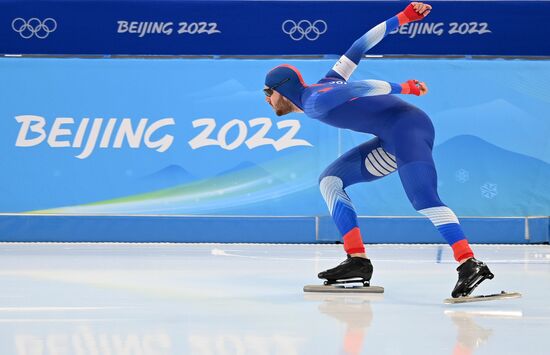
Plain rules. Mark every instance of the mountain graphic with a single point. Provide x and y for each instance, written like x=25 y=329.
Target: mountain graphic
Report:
x=500 y=122
x=244 y=166
x=172 y=175
x=481 y=179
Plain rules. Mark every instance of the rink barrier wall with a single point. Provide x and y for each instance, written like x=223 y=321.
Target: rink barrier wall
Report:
x=240 y=27
x=259 y=229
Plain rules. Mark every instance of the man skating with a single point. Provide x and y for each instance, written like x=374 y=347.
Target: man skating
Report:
x=404 y=137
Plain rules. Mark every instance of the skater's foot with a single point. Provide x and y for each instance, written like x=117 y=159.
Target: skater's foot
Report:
x=352 y=267
x=359 y=255
x=470 y=274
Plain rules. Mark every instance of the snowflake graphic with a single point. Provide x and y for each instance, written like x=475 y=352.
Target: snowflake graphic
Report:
x=489 y=190
x=462 y=176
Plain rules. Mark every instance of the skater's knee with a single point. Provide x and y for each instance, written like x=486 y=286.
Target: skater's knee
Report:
x=440 y=214
x=329 y=173
x=330 y=183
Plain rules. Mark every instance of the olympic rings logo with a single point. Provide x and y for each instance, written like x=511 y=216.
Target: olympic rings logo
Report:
x=34 y=27
x=304 y=29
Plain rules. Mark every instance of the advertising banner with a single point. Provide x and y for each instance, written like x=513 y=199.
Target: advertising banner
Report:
x=240 y=27
x=196 y=137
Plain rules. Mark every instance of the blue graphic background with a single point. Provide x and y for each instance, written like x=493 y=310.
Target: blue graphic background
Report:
x=492 y=148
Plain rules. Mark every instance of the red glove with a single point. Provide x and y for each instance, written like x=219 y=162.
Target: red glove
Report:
x=410 y=88
x=410 y=15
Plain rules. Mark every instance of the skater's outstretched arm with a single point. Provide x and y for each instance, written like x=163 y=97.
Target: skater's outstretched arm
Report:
x=325 y=99
x=348 y=62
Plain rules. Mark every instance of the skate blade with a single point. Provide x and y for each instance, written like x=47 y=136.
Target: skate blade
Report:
x=497 y=296
x=343 y=289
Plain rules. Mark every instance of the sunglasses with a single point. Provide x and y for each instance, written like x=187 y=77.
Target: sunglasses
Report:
x=269 y=91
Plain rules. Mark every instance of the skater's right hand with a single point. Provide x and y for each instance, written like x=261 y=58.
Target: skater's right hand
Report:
x=416 y=11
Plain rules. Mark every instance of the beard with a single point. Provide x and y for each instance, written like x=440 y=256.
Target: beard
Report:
x=285 y=107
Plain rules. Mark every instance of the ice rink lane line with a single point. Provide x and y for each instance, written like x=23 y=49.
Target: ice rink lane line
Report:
x=76 y=320
x=54 y=309
x=220 y=252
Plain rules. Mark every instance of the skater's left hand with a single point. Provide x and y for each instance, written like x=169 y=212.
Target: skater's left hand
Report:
x=414 y=87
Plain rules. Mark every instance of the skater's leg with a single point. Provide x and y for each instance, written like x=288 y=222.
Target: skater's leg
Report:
x=366 y=162
x=413 y=148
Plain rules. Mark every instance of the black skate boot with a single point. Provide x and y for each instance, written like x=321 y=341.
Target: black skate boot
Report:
x=353 y=269
x=470 y=274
